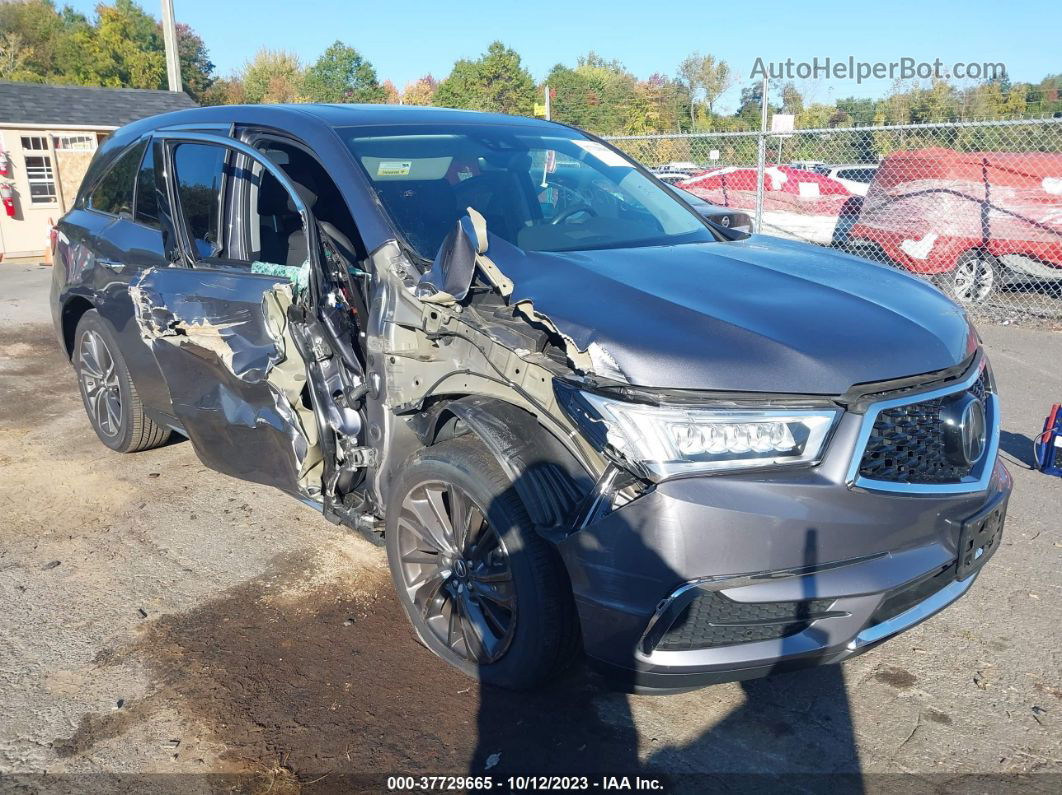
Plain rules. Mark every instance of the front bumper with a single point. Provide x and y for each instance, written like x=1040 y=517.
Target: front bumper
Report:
x=804 y=538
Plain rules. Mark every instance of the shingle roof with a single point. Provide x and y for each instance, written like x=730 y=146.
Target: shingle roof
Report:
x=34 y=103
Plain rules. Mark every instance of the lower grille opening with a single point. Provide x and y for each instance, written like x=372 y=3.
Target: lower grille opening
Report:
x=710 y=620
x=907 y=596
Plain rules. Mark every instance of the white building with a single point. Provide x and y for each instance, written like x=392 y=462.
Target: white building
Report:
x=48 y=135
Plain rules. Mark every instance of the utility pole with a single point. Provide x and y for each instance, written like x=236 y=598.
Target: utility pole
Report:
x=761 y=158
x=169 y=35
x=546 y=90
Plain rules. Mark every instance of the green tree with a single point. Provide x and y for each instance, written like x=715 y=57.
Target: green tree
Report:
x=272 y=76
x=342 y=75
x=860 y=109
x=792 y=100
x=125 y=49
x=39 y=41
x=597 y=95
x=122 y=47
x=496 y=81
x=197 y=70
x=14 y=55
x=750 y=107
x=707 y=78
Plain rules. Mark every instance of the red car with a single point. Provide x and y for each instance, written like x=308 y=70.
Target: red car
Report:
x=960 y=216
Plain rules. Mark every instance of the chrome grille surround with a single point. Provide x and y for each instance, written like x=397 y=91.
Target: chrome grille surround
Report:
x=979 y=475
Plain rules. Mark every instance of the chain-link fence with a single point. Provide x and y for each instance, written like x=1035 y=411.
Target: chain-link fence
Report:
x=976 y=207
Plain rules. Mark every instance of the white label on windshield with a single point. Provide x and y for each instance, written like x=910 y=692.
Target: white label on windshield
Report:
x=602 y=153
x=394 y=168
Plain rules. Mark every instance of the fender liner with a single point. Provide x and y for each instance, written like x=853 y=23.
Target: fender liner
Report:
x=549 y=480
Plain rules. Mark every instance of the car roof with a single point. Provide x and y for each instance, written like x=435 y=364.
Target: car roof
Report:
x=293 y=116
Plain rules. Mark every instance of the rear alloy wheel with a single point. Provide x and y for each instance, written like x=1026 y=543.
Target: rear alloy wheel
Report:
x=481 y=587
x=99 y=381
x=975 y=278
x=107 y=390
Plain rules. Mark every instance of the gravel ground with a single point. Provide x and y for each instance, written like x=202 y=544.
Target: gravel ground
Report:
x=161 y=618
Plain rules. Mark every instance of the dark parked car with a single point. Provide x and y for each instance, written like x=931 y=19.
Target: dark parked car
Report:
x=734 y=220
x=578 y=416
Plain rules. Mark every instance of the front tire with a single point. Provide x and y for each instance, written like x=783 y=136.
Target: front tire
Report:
x=481 y=587
x=107 y=390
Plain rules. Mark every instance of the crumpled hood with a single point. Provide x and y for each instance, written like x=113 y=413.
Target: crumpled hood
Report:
x=760 y=315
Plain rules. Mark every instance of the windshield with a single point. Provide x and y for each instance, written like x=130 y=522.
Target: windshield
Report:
x=541 y=191
x=689 y=198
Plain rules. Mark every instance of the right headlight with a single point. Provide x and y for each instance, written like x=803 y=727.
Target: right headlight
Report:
x=667 y=440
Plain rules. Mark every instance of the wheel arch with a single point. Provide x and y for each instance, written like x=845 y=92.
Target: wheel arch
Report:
x=548 y=478
x=74 y=308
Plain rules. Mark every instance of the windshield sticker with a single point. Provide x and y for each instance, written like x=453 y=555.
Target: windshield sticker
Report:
x=602 y=153
x=394 y=168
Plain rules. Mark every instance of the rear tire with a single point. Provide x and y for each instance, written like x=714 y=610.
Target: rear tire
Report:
x=107 y=390
x=453 y=582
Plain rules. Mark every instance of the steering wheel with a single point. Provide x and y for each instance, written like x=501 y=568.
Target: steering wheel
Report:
x=566 y=214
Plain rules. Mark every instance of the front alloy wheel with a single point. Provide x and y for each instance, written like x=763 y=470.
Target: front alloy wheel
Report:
x=456 y=571
x=481 y=586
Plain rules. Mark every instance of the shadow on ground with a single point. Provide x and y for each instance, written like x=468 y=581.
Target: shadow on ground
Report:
x=316 y=687
x=1019 y=447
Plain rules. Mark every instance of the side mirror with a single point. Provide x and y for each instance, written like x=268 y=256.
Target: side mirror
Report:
x=451 y=273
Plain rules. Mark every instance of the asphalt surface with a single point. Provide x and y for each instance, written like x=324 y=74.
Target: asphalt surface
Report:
x=156 y=617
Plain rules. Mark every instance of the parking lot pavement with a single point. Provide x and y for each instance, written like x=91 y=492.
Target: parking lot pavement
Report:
x=158 y=617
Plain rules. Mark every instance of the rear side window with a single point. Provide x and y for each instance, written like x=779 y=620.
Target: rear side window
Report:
x=147 y=200
x=114 y=193
x=199 y=171
x=856 y=174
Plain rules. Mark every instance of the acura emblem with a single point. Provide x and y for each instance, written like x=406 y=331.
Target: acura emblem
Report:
x=965 y=429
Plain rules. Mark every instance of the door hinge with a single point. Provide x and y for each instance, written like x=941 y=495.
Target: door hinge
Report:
x=360 y=457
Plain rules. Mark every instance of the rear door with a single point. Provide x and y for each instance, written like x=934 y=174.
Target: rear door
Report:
x=218 y=322
x=120 y=215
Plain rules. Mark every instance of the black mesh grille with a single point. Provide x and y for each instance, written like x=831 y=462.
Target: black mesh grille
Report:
x=712 y=620
x=907 y=443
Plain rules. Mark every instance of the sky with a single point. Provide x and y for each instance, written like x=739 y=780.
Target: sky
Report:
x=410 y=38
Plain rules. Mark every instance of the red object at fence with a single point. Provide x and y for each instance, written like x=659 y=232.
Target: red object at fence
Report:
x=925 y=208
x=785 y=189
x=8 y=196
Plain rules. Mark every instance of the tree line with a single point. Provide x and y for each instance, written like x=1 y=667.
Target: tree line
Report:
x=123 y=47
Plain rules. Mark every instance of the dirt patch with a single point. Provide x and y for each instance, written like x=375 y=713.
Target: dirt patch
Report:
x=896 y=677
x=35 y=378
x=935 y=715
x=48 y=452
x=329 y=682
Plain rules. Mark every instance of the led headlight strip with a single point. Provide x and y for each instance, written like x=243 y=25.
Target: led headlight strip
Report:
x=668 y=439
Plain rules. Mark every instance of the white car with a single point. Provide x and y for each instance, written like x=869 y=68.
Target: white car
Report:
x=856 y=177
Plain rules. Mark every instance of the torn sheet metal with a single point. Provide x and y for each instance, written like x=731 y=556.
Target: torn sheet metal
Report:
x=235 y=377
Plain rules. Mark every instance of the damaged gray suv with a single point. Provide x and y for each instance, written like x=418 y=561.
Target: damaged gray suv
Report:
x=581 y=418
